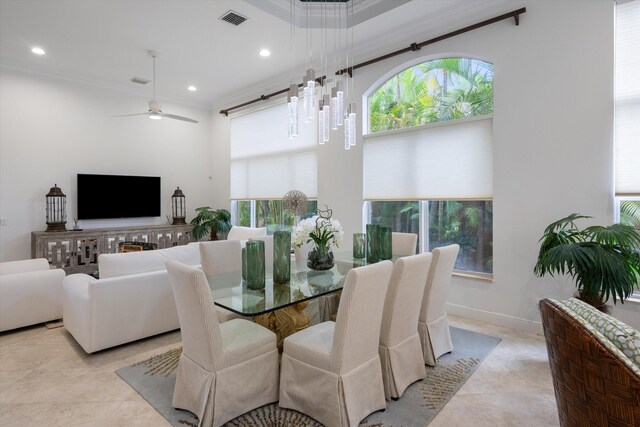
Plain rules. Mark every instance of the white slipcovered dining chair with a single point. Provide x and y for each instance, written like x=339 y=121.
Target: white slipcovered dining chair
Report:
x=225 y=369
x=245 y=233
x=220 y=257
x=403 y=244
x=433 y=324
x=331 y=371
x=400 y=349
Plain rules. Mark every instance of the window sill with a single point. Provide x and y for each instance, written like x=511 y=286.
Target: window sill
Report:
x=477 y=276
x=634 y=298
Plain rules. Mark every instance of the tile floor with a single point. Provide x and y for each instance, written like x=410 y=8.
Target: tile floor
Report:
x=46 y=379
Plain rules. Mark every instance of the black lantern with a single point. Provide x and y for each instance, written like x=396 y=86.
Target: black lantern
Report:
x=56 y=209
x=178 y=207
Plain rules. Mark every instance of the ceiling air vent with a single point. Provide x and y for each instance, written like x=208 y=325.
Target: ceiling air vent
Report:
x=140 y=80
x=233 y=18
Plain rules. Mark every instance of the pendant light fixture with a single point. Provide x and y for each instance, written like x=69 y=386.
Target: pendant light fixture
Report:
x=332 y=106
x=292 y=94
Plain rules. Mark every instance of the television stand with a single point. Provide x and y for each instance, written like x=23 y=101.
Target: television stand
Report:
x=78 y=251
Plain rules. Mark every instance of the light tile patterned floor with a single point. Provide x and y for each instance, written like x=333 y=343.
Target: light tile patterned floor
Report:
x=47 y=379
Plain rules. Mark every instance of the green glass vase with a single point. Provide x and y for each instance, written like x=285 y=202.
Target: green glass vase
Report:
x=373 y=245
x=244 y=263
x=281 y=257
x=255 y=264
x=359 y=245
x=385 y=244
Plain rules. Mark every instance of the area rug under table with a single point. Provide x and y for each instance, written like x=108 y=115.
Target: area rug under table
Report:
x=155 y=378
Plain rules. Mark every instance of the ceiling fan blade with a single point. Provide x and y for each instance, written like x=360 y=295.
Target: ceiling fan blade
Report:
x=127 y=115
x=173 y=116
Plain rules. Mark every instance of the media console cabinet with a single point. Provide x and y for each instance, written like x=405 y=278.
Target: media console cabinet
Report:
x=77 y=251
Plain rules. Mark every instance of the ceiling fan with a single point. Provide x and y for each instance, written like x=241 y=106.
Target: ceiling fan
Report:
x=155 y=112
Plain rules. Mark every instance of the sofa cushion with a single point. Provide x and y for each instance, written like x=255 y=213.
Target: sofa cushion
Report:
x=623 y=336
x=122 y=264
x=601 y=338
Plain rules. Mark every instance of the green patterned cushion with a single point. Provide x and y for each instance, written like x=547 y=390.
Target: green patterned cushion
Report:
x=601 y=338
x=623 y=336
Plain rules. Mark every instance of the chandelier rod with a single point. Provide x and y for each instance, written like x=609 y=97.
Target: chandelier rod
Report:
x=515 y=14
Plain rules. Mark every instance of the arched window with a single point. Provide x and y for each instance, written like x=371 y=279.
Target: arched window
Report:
x=434 y=91
x=428 y=157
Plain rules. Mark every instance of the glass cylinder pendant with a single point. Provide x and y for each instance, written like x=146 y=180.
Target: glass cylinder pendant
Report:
x=306 y=105
x=334 y=109
x=292 y=98
x=310 y=94
x=347 y=133
x=327 y=119
x=339 y=103
x=321 y=120
x=281 y=256
x=352 y=129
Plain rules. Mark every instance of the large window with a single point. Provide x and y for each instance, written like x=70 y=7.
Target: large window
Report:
x=428 y=157
x=267 y=213
x=627 y=112
x=440 y=223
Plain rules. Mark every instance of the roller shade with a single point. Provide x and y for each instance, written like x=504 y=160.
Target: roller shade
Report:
x=627 y=99
x=444 y=161
x=265 y=163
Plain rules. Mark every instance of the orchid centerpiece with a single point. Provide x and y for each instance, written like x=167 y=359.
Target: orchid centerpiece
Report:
x=324 y=232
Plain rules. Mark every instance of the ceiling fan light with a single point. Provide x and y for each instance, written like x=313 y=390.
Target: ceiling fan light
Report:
x=155 y=116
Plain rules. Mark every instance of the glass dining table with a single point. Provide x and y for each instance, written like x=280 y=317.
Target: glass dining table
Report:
x=280 y=307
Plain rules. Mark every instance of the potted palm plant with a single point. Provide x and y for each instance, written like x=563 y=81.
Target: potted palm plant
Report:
x=209 y=222
x=604 y=262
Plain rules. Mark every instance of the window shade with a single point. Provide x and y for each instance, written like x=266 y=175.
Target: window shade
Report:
x=451 y=160
x=627 y=99
x=265 y=163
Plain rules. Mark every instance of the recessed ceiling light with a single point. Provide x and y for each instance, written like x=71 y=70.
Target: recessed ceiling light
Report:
x=38 y=51
x=192 y=88
x=265 y=52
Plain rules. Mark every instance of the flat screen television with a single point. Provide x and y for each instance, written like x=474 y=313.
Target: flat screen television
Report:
x=118 y=196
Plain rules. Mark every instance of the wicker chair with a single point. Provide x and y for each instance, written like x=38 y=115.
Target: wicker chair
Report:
x=593 y=386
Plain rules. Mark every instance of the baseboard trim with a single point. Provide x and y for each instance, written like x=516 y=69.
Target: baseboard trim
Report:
x=516 y=323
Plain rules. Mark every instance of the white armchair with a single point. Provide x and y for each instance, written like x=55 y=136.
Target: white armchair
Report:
x=30 y=293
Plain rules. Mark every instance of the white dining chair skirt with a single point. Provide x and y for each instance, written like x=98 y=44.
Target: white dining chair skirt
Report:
x=400 y=349
x=433 y=324
x=332 y=371
x=225 y=370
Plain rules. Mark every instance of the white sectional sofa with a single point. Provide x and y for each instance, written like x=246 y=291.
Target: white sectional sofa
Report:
x=131 y=300
x=30 y=293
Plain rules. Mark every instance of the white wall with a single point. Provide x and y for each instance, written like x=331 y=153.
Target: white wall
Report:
x=553 y=147
x=51 y=129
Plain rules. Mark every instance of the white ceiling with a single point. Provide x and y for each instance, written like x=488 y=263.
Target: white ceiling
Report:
x=105 y=42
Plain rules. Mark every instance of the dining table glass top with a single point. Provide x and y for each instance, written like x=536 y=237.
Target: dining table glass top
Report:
x=229 y=291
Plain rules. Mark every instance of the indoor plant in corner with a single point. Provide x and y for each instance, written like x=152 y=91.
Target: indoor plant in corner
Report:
x=209 y=222
x=604 y=262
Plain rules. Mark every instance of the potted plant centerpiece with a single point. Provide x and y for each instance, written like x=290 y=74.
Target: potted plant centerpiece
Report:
x=324 y=232
x=209 y=222
x=604 y=262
